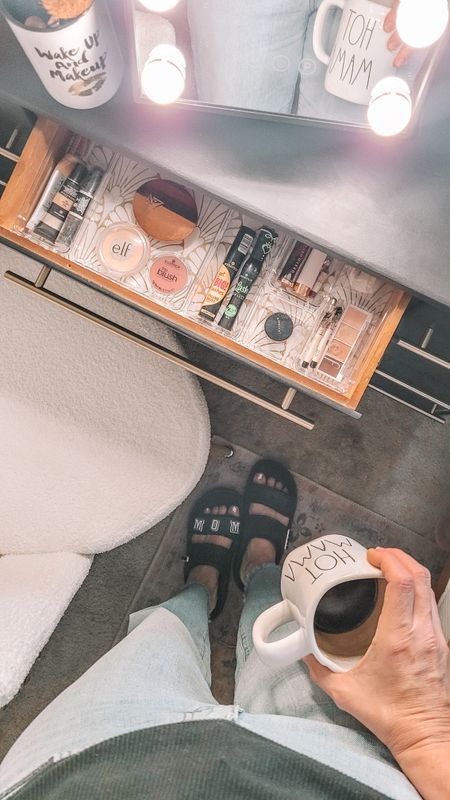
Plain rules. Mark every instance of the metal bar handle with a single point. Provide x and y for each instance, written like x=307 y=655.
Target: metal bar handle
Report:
x=37 y=287
x=423 y=354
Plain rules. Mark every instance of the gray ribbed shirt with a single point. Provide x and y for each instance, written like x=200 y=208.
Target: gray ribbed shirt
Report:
x=200 y=760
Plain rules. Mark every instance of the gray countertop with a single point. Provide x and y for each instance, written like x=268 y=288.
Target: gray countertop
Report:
x=382 y=204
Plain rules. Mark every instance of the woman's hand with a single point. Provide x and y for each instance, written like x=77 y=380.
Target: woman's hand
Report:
x=398 y=689
x=394 y=42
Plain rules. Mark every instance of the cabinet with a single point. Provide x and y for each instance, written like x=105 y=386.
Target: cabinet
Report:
x=415 y=369
x=47 y=143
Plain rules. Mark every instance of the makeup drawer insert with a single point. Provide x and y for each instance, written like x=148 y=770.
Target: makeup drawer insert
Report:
x=311 y=321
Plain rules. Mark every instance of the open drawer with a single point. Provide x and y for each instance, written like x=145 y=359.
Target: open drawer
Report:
x=382 y=303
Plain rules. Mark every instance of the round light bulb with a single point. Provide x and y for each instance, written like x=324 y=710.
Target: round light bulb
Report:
x=158 y=6
x=390 y=107
x=421 y=22
x=164 y=74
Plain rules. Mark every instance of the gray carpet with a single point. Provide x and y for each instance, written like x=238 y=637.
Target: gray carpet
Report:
x=393 y=462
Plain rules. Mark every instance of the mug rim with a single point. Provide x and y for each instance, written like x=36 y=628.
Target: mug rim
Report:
x=10 y=19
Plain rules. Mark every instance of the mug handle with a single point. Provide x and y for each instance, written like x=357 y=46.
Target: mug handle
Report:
x=319 y=26
x=284 y=651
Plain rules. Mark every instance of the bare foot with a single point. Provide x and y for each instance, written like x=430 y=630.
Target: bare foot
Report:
x=204 y=574
x=261 y=551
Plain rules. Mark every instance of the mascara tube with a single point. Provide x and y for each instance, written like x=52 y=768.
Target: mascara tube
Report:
x=227 y=273
x=248 y=276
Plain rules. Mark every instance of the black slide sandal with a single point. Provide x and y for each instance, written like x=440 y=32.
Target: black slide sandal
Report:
x=259 y=526
x=207 y=553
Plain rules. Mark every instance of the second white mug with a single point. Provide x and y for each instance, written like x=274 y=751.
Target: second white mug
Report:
x=360 y=56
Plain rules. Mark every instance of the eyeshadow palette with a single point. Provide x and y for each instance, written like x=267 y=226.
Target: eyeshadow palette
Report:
x=344 y=341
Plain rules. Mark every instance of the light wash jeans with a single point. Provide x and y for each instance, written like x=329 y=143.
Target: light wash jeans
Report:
x=160 y=674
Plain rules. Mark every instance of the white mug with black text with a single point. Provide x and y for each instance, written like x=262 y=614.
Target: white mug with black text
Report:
x=334 y=595
x=79 y=62
x=360 y=56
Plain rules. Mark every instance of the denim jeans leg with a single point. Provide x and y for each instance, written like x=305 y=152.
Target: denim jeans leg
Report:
x=262 y=689
x=158 y=674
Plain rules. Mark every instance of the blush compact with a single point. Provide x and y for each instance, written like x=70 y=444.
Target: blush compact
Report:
x=168 y=275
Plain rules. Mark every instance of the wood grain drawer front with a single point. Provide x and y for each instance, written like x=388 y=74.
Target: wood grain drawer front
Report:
x=48 y=143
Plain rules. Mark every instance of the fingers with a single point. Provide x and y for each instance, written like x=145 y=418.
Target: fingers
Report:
x=398 y=605
x=321 y=675
x=391 y=17
x=408 y=594
x=423 y=594
x=394 y=41
x=402 y=55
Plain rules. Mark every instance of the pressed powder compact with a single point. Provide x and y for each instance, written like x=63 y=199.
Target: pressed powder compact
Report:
x=344 y=341
x=165 y=210
x=278 y=326
x=123 y=248
x=168 y=275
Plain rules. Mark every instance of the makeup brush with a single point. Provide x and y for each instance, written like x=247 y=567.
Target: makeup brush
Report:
x=66 y=9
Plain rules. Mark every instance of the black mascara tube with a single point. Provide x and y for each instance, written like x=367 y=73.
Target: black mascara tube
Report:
x=248 y=276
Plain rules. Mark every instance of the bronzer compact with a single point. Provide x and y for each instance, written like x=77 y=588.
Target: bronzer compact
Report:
x=165 y=210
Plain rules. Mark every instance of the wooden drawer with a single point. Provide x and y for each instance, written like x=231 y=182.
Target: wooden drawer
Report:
x=46 y=145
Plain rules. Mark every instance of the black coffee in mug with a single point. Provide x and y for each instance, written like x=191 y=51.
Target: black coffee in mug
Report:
x=347 y=616
x=346 y=606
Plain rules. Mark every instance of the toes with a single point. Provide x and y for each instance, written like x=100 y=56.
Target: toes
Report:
x=215 y=510
x=222 y=509
x=271 y=482
x=233 y=511
x=279 y=486
x=260 y=478
x=207 y=511
x=285 y=490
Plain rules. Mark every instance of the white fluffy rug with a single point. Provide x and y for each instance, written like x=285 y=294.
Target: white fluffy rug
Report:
x=99 y=439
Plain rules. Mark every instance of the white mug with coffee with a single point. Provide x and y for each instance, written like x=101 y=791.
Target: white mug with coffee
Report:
x=360 y=56
x=334 y=595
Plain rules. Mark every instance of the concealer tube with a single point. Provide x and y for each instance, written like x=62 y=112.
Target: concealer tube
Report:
x=63 y=202
x=54 y=184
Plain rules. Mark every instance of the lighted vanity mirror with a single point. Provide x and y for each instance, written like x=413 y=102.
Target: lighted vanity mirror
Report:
x=325 y=62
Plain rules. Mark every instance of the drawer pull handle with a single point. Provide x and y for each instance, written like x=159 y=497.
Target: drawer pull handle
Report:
x=408 y=405
x=412 y=389
x=427 y=339
x=7 y=154
x=419 y=352
x=38 y=287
